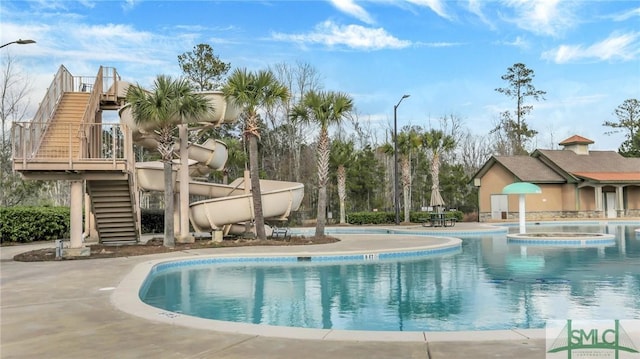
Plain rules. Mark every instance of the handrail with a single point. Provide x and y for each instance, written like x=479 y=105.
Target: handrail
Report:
x=104 y=86
x=109 y=144
x=110 y=79
x=62 y=82
x=27 y=137
x=89 y=114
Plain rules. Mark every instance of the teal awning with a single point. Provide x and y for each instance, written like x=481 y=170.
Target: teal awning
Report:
x=521 y=188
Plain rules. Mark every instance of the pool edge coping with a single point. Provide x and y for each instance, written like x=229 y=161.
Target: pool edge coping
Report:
x=125 y=297
x=121 y=299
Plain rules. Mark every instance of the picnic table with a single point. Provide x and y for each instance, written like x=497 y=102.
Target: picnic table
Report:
x=439 y=219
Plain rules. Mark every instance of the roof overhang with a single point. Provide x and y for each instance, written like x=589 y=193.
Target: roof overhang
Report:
x=610 y=177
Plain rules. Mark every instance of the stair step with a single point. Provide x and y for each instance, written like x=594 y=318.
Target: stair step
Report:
x=110 y=215
x=117 y=226
x=120 y=242
x=103 y=215
x=102 y=200
x=101 y=196
x=101 y=184
x=115 y=217
x=120 y=222
x=116 y=230
x=106 y=232
x=119 y=237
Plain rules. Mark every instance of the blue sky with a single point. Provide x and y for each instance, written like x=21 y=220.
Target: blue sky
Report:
x=448 y=55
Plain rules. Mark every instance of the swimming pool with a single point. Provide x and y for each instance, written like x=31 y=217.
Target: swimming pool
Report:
x=489 y=284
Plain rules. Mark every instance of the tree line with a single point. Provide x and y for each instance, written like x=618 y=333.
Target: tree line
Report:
x=296 y=130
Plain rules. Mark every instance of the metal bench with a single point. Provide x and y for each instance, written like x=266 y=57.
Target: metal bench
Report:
x=280 y=232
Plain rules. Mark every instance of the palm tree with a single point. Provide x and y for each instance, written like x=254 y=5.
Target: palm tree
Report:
x=409 y=141
x=250 y=91
x=236 y=159
x=325 y=109
x=169 y=103
x=342 y=153
x=437 y=142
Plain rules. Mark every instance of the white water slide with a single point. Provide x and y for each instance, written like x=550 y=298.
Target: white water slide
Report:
x=227 y=207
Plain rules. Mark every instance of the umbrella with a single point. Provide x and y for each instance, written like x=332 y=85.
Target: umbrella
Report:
x=436 y=198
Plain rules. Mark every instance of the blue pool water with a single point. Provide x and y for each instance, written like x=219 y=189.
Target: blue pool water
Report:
x=490 y=284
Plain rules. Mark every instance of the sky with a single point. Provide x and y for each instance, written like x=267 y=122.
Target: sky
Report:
x=449 y=56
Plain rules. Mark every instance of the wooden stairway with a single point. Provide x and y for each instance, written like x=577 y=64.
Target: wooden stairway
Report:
x=62 y=138
x=112 y=202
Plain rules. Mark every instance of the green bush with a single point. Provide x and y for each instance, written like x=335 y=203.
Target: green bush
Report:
x=27 y=224
x=152 y=220
x=390 y=217
x=371 y=218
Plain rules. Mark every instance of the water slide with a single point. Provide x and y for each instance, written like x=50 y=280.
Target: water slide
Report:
x=227 y=207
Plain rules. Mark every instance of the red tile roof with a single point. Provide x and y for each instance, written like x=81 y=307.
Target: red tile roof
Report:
x=575 y=139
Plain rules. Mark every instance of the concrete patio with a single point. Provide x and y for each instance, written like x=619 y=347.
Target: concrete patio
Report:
x=64 y=309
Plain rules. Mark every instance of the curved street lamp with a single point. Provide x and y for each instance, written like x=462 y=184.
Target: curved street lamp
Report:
x=19 y=42
x=396 y=201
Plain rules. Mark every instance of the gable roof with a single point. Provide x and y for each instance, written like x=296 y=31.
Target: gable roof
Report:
x=562 y=166
x=525 y=168
x=595 y=161
x=529 y=169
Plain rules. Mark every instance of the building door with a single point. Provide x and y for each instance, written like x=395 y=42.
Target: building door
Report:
x=610 y=204
x=499 y=206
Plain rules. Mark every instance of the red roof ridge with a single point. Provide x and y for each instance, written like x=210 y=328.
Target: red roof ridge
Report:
x=576 y=139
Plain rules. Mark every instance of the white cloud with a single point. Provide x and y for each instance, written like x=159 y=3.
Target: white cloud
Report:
x=627 y=15
x=622 y=47
x=128 y=4
x=438 y=44
x=518 y=42
x=543 y=17
x=475 y=7
x=353 y=36
x=351 y=8
x=436 y=6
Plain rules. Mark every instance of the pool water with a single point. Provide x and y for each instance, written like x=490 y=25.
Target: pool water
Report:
x=490 y=284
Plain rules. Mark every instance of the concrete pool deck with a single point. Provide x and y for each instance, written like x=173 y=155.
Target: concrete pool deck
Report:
x=65 y=309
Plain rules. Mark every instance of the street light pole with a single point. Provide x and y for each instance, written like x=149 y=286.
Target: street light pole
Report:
x=396 y=200
x=19 y=42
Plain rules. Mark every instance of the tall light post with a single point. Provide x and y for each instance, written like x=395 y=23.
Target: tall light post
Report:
x=396 y=200
x=19 y=42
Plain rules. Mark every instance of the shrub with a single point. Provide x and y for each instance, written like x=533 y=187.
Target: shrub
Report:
x=27 y=224
x=390 y=218
x=152 y=220
x=370 y=218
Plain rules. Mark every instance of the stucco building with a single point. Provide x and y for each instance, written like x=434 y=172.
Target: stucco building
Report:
x=576 y=182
